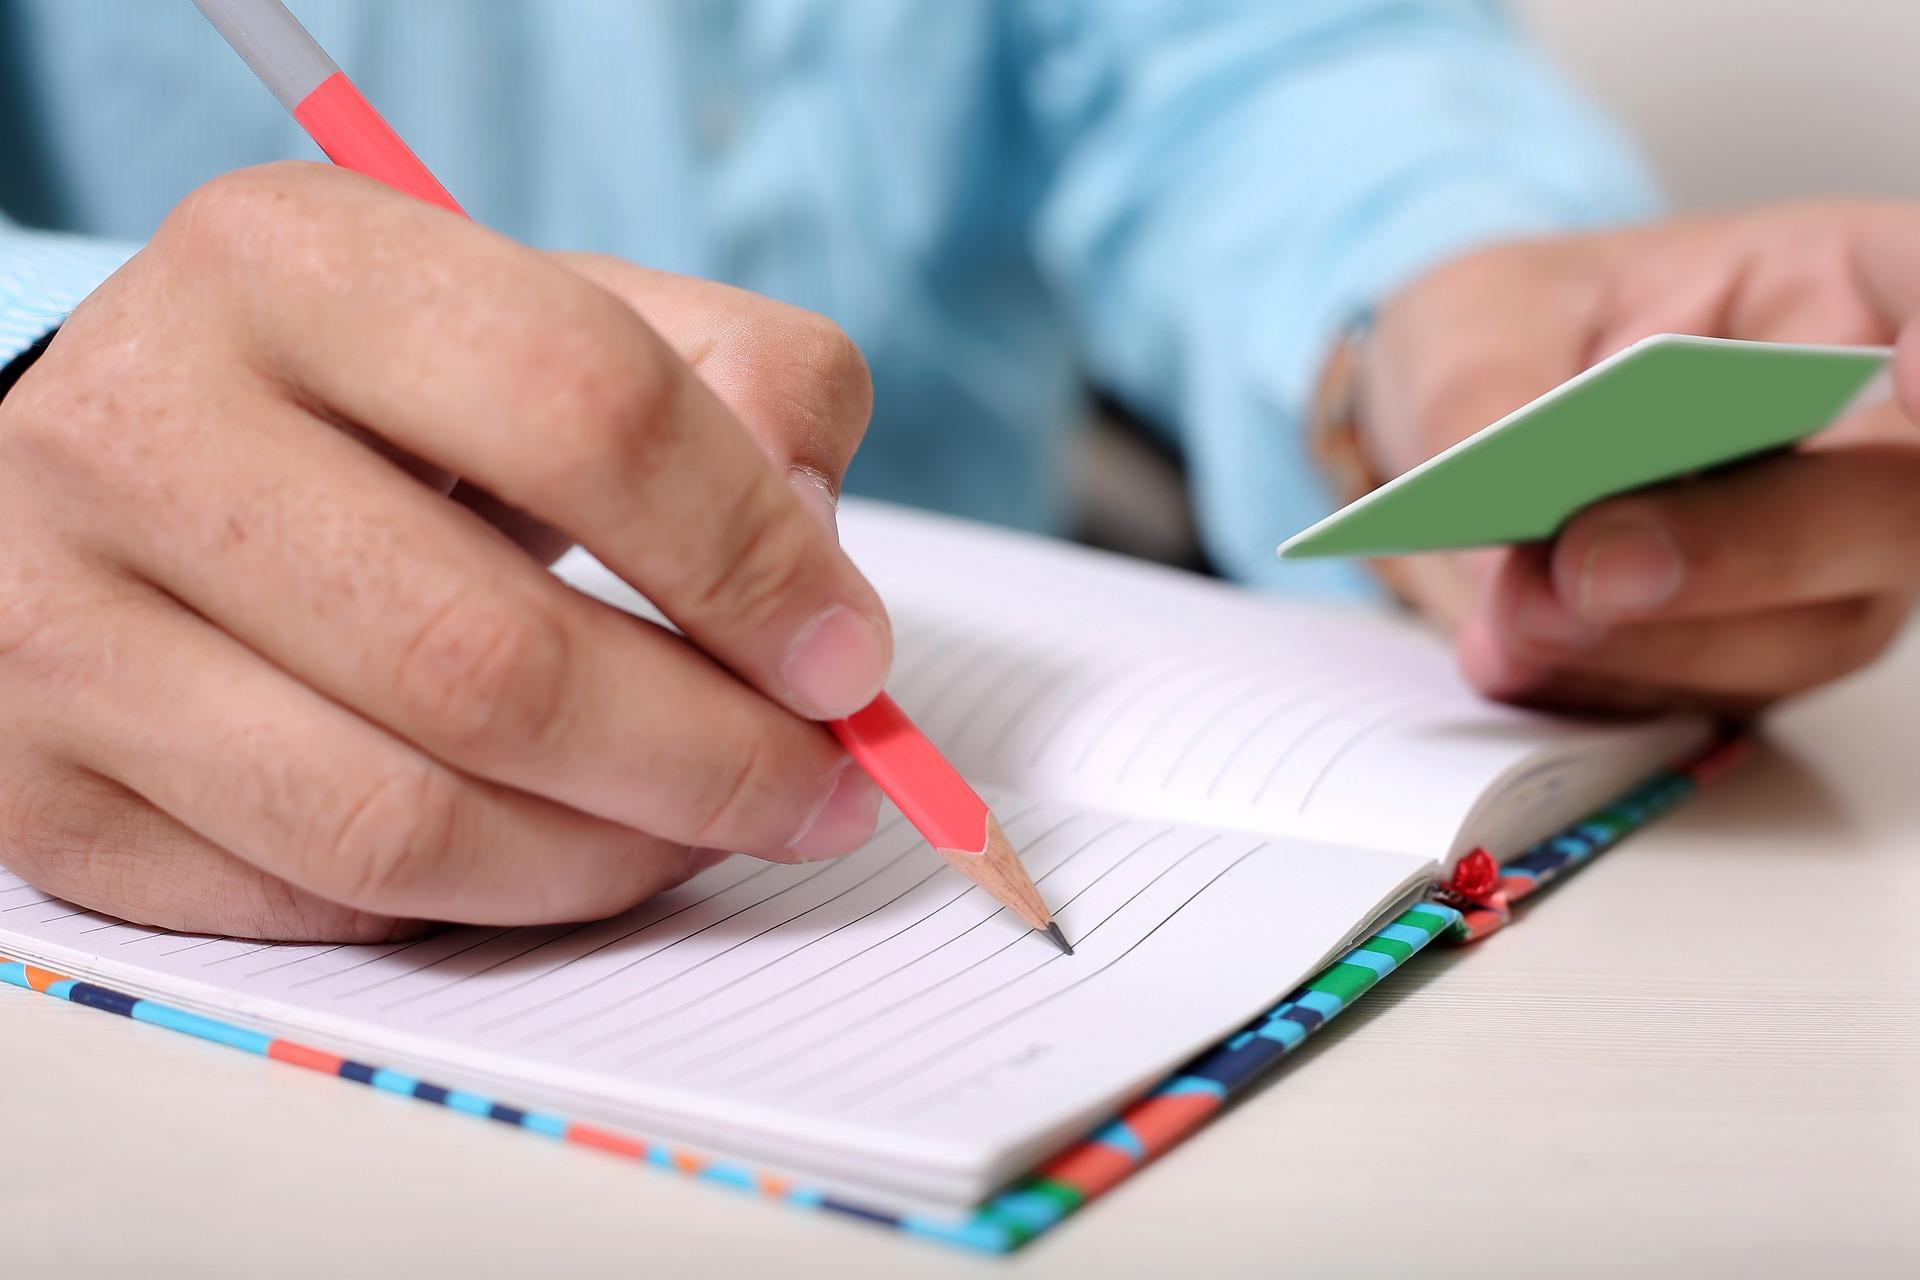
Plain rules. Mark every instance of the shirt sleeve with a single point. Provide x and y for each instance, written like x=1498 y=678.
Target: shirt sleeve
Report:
x=1231 y=181
x=43 y=276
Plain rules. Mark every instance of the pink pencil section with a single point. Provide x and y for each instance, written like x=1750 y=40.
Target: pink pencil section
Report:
x=915 y=776
x=356 y=137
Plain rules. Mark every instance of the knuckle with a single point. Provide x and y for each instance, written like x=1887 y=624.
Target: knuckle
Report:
x=1847 y=636
x=389 y=842
x=36 y=828
x=57 y=421
x=98 y=413
x=1866 y=629
x=735 y=795
x=764 y=564
x=606 y=392
x=835 y=383
x=50 y=641
x=24 y=621
x=482 y=677
x=226 y=215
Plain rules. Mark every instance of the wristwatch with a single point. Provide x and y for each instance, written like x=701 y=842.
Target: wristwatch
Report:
x=1333 y=423
x=1336 y=440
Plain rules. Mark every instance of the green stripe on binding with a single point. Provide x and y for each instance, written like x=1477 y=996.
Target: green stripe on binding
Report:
x=1059 y=1192
x=1392 y=947
x=1344 y=980
x=1426 y=919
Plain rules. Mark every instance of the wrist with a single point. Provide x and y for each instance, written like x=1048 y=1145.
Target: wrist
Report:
x=1338 y=441
x=1336 y=438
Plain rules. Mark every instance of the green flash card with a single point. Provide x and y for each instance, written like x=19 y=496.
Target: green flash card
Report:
x=1663 y=408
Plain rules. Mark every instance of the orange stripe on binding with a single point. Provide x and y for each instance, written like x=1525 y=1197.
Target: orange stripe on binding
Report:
x=1163 y=1119
x=588 y=1136
x=41 y=979
x=1092 y=1168
x=301 y=1056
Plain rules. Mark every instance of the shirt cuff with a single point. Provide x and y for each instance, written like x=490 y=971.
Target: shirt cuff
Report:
x=44 y=276
x=1258 y=484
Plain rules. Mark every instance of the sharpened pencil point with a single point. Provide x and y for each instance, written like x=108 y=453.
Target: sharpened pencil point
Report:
x=1059 y=938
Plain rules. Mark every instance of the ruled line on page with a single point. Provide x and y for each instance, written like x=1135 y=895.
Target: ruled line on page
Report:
x=393 y=950
x=1326 y=720
x=542 y=974
x=913 y=844
x=660 y=1046
x=375 y=985
x=655 y=1016
x=952 y=1011
x=1149 y=736
x=648 y=924
x=1237 y=699
x=726 y=1050
x=764 y=1036
x=1088 y=689
x=961 y=888
x=945 y=978
x=1396 y=716
x=912 y=1070
x=677 y=975
x=977 y=649
x=147 y=935
x=241 y=955
x=533 y=1036
x=534 y=936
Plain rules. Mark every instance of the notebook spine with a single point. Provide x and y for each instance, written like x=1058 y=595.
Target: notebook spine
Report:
x=1484 y=891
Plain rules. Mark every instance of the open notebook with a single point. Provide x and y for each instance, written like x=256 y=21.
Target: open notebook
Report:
x=1217 y=792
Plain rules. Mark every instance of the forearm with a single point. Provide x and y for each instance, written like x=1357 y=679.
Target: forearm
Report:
x=1217 y=224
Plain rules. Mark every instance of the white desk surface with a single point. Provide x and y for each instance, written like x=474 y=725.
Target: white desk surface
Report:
x=1699 y=1057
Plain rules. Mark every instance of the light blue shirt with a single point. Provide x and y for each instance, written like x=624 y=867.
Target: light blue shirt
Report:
x=999 y=200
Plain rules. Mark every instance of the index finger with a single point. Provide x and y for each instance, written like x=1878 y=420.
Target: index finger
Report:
x=793 y=380
x=1886 y=262
x=463 y=348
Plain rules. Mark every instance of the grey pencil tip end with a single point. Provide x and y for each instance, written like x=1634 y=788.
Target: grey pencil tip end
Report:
x=1059 y=938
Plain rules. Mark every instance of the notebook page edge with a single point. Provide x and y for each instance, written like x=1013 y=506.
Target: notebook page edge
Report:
x=876 y=1157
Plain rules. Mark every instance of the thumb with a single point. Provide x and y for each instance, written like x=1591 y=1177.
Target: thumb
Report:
x=1459 y=350
x=1886 y=261
x=791 y=377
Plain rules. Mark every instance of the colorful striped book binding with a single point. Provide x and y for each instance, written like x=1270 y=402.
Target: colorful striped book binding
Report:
x=1084 y=1171
x=1073 y=1178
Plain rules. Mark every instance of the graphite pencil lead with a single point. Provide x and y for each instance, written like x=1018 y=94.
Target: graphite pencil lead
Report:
x=1059 y=938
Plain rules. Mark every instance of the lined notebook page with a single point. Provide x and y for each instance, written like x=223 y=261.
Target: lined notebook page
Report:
x=1159 y=745
x=1057 y=671
x=875 y=1022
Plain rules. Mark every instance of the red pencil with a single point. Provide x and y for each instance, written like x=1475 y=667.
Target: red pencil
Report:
x=943 y=808
x=908 y=767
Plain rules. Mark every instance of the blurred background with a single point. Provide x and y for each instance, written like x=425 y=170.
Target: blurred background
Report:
x=1732 y=101
x=1744 y=100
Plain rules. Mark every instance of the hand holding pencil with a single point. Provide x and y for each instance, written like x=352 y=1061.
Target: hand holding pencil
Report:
x=358 y=705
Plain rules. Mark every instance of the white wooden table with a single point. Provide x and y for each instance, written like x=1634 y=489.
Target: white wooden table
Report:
x=1700 y=1056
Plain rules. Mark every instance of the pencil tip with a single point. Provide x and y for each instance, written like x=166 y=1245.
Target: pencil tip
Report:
x=1059 y=938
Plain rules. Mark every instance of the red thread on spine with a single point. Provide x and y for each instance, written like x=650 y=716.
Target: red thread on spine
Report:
x=1476 y=877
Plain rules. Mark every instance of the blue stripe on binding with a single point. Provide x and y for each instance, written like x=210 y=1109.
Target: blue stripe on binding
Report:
x=193 y=1024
